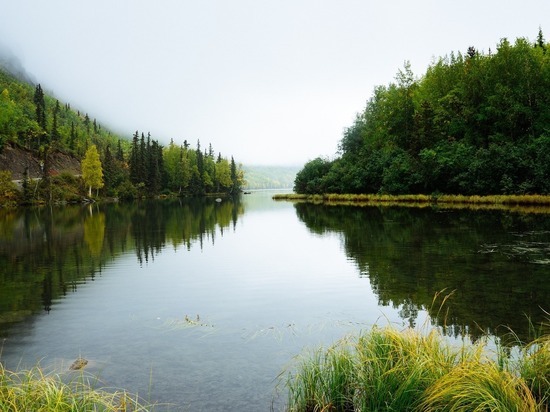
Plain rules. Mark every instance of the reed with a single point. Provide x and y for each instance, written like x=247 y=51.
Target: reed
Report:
x=34 y=390
x=390 y=370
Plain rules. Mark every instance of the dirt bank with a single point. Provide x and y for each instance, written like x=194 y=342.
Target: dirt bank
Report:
x=16 y=159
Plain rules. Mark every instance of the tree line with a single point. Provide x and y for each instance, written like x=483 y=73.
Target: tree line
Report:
x=111 y=165
x=473 y=124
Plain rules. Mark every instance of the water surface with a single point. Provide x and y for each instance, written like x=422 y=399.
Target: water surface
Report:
x=202 y=305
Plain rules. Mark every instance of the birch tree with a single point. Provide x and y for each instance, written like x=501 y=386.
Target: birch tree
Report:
x=92 y=172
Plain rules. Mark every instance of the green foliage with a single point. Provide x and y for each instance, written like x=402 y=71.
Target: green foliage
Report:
x=9 y=194
x=310 y=178
x=31 y=118
x=92 y=171
x=473 y=125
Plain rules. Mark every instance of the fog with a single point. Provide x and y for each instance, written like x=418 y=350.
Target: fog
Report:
x=269 y=82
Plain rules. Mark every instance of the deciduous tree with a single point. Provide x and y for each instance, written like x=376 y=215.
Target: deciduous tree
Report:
x=92 y=171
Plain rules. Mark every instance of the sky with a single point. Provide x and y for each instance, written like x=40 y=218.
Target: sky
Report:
x=269 y=82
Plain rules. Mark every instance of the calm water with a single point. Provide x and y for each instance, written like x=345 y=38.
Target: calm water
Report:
x=201 y=305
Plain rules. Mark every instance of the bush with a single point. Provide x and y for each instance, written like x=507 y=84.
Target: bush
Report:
x=9 y=192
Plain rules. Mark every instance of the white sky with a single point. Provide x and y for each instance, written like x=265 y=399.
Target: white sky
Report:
x=267 y=81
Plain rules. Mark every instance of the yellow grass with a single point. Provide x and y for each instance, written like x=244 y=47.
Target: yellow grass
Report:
x=516 y=203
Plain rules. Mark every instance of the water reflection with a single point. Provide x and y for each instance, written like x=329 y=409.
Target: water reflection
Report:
x=497 y=264
x=48 y=252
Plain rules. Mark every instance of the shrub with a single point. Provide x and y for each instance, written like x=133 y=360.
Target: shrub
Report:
x=9 y=193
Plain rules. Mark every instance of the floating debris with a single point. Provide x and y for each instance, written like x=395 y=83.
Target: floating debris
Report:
x=528 y=248
x=186 y=322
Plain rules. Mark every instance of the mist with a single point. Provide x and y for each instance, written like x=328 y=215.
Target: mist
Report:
x=10 y=62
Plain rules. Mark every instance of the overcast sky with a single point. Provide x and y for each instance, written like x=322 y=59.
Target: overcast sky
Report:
x=267 y=81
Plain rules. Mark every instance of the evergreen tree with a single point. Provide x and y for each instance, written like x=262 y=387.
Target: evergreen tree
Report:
x=87 y=124
x=119 y=153
x=73 y=137
x=235 y=181
x=55 y=136
x=540 y=41
x=142 y=160
x=40 y=105
x=134 y=160
x=109 y=168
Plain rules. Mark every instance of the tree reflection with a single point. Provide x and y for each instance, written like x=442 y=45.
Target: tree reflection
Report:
x=410 y=255
x=94 y=231
x=47 y=252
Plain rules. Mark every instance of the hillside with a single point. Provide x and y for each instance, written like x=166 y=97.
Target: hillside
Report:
x=270 y=177
x=45 y=137
x=33 y=119
x=17 y=159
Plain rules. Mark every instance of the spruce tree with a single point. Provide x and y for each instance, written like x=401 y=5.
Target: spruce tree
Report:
x=40 y=104
x=119 y=153
x=134 y=159
x=55 y=136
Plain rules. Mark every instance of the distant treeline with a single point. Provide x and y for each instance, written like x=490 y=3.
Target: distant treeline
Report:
x=473 y=124
x=139 y=167
x=270 y=177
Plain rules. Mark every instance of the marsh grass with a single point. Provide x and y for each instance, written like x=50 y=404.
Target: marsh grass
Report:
x=519 y=203
x=390 y=370
x=34 y=390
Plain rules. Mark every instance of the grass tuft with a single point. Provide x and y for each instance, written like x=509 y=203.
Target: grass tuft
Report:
x=390 y=370
x=33 y=390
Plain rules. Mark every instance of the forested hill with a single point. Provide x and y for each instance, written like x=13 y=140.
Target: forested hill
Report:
x=476 y=124
x=37 y=130
x=269 y=177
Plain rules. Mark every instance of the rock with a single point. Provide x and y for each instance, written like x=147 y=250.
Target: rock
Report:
x=78 y=364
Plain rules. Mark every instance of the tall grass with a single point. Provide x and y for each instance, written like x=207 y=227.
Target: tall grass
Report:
x=390 y=370
x=535 y=368
x=33 y=390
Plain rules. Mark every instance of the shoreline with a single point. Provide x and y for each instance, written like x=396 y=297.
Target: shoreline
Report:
x=516 y=203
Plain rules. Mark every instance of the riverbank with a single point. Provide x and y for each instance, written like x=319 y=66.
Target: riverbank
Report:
x=520 y=203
